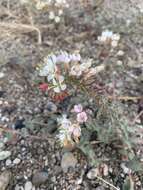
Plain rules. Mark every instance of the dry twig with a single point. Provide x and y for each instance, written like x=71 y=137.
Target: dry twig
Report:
x=23 y=28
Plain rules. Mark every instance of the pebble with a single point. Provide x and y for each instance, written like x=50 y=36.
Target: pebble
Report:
x=125 y=169
x=18 y=187
x=68 y=161
x=5 y=178
x=79 y=181
x=4 y=119
x=28 y=185
x=119 y=63
x=100 y=188
x=120 y=53
x=105 y=169
x=4 y=155
x=39 y=178
x=19 y=124
x=1 y=146
x=51 y=107
x=16 y=161
x=8 y=162
x=1 y=75
x=92 y=174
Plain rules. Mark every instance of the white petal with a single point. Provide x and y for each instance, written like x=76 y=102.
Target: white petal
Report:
x=61 y=78
x=63 y=86
x=57 y=89
x=116 y=37
x=50 y=77
x=55 y=82
x=53 y=58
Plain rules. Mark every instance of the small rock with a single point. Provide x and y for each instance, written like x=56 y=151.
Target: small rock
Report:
x=125 y=169
x=53 y=179
x=4 y=155
x=51 y=107
x=105 y=170
x=19 y=124
x=16 y=161
x=1 y=146
x=5 y=178
x=1 y=75
x=68 y=161
x=119 y=63
x=100 y=188
x=28 y=185
x=39 y=178
x=93 y=173
x=8 y=162
x=4 y=119
x=79 y=181
x=2 y=94
x=120 y=53
x=18 y=187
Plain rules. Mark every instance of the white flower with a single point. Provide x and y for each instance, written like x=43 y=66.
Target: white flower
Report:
x=116 y=37
x=49 y=68
x=114 y=43
x=64 y=121
x=108 y=36
x=68 y=131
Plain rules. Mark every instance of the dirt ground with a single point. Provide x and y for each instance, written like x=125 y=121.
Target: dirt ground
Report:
x=23 y=46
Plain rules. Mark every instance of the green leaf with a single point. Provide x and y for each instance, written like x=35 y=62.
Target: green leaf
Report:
x=129 y=184
x=135 y=165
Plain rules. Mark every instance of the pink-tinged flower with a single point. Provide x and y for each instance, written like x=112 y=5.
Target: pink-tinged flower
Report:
x=43 y=87
x=78 y=108
x=77 y=132
x=82 y=117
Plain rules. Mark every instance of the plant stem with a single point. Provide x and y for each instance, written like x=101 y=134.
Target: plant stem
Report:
x=107 y=182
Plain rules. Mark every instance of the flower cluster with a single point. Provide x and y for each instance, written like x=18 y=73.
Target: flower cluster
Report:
x=57 y=66
x=70 y=132
x=109 y=37
x=55 y=7
x=81 y=115
x=51 y=71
